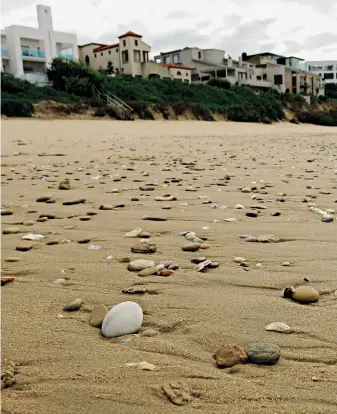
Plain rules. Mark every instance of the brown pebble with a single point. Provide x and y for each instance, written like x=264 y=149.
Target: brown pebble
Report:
x=229 y=355
x=83 y=241
x=42 y=219
x=24 y=247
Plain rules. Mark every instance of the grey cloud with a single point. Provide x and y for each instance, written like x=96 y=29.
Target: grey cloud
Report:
x=248 y=37
x=321 y=40
x=177 y=14
x=177 y=39
x=204 y=23
x=9 y=5
x=324 y=6
x=96 y=3
x=232 y=19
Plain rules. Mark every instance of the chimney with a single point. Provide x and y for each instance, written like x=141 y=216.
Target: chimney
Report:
x=44 y=17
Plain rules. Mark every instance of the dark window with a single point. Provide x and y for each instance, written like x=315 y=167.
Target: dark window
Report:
x=186 y=73
x=328 y=76
x=124 y=43
x=264 y=76
x=199 y=55
x=101 y=53
x=136 y=42
x=294 y=81
x=278 y=79
x=87 y=60
x=258 y=77
x=109 y=52
x=125 y=56
x=178 y=73
x=95 y=55
x=117 y=50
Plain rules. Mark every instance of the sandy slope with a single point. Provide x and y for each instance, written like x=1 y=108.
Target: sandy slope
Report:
x=65 y=366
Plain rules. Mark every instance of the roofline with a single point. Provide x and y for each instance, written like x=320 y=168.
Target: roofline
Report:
x=106 y=47
x=92 y=43
x=169 y=53
x=131 y=34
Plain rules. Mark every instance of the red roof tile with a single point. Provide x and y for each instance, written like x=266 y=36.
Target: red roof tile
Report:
x=101 y=48
x=170 y=65
x=129 y=34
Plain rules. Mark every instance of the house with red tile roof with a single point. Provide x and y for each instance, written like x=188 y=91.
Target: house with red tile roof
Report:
x=130 y=56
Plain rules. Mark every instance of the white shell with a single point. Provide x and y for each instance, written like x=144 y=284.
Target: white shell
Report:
x=124 y=318
x=278 y=327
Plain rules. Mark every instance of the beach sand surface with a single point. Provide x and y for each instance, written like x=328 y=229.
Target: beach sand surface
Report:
x=64 y=365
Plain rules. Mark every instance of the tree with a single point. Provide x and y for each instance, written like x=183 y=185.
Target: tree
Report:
x=74 y=77
x=331 y=90
x=110 y=69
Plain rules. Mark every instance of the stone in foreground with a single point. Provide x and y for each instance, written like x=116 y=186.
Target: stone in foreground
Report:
x=229 y=355
x=124 y=318
x=138 y=265
x=262 y=353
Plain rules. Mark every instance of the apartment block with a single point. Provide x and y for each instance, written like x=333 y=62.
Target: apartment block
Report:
x=213 y=63
x=327 y=69
x=286 y=73
x=26 y=51
x=131 y=56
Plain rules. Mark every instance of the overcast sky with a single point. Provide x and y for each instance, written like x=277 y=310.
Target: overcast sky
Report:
x=304 y=28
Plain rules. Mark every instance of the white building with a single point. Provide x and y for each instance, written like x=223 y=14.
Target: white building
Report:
x=325 y=68
x=27 y=51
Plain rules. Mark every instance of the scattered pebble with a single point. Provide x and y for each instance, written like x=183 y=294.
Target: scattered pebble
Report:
x=124 y=318
x=262 y=353
x=73 y=306
x=229 y=355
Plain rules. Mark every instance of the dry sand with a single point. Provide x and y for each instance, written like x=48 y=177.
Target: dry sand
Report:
x=64 y=365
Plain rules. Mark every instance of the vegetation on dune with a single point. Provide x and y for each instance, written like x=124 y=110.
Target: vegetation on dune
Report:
x=72 y=83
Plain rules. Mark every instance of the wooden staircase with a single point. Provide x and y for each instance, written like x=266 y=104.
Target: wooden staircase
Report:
x=123 y=110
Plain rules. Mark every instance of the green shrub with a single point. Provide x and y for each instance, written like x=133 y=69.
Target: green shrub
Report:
x=220 y=83
x=319 y=118
x=17 y=108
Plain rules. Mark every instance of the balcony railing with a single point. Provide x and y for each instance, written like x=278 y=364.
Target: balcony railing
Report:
x=67 y=56
x=4 y=53
x=33 y=53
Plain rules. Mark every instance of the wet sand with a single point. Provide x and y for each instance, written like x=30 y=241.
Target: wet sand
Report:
x=64 y=365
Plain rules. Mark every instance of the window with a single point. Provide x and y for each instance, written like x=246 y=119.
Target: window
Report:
x=117 y=50
x=186 y=81
x=136 y=55
x=278 y=79
x=176 y=58
x=101 y=53
x=258 y=77
x=46 y=11
x=186 y=73
x=264 y=76
x=328 y=76
x=125 y=56
x=166 y=59
x=27 y=69
x=178 y=73
x=95 y=55
x=330 y=67
x=136 y=42
x=109 y=52
x=124 y=42
x=199 y=55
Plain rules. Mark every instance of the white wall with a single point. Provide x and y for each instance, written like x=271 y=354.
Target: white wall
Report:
x=44 y=37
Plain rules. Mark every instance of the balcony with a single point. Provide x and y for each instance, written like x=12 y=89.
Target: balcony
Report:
x=67 y=56
x=4 y=53
x=256 y=83
x=34 y=53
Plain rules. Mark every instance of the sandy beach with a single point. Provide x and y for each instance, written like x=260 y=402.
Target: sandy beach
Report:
x=62 y=364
